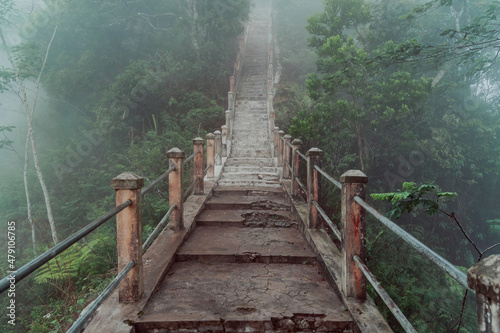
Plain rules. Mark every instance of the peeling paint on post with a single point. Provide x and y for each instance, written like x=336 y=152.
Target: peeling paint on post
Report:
x=175 y=190
x=483 y=277
x=198 y=144
x=313 y=186
x=286 y=156
x=297 y=145
x=353 y=233
x=218 y=147
x=211 y=155
x=129 y=235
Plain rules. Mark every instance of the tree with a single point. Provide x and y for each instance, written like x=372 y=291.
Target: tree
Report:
x=29 y=110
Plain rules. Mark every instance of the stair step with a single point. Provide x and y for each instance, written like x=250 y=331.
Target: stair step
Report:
x=248 y=202
x=250 y=169
x=254 y=297
x=246 y=218
x=248 y=191
x=244 y=245
x=250 y=161
x=250 y=177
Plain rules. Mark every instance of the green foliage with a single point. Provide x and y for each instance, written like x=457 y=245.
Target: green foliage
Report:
x=70 y=263
x=413 y=196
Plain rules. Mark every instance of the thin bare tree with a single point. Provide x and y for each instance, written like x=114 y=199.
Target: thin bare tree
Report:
x=29 y=111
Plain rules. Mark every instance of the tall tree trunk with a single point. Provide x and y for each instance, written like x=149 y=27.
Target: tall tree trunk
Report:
x=27 y=192
x=360 y=146
x=193 y=14
x=29 y=112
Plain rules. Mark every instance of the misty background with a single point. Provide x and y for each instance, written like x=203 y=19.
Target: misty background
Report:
x=390 y=87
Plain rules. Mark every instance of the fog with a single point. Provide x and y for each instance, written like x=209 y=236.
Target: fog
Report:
x=405 y=91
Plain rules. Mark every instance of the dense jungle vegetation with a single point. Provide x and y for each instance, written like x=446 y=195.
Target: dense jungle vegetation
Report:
x=406 y=91
x=122 y=82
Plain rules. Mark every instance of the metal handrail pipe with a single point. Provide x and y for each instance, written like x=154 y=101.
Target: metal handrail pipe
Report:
x=328 y=221
x=189 y=190
x=288 y=166
x=80 y=322
x=442 y=263
x=400 y=317
x=148 y=188
x=327 y=176
x=300 y=184
x=42 y=259
x=160 y=225
x=289 y=144
x=206 y=170
x=187 y=160
x=304 y=157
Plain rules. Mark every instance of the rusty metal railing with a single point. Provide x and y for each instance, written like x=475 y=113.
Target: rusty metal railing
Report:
x=352 y=184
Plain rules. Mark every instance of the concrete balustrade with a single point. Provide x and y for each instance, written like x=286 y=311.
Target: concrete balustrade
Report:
x=175 y=190
x=228 y=119
x=297 y=145
x=353 y=233
x=483 y=277
x=218 y=147
x=276 y=144
x=211 y=155
x=225 y=135
x=287 y=153
x=129 y=235
x=313 y=186
x=198 y=144
x=281 y=150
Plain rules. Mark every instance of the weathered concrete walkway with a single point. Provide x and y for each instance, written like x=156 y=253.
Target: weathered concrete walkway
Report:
x=247 y=267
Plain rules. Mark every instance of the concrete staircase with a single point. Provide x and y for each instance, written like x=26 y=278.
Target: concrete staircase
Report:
x=245 y=268
x=251 y=162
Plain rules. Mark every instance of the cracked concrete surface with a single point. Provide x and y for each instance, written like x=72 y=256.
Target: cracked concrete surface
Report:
x=269 y=294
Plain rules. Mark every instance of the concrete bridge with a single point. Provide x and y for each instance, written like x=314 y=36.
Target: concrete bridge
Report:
x=245 y=259
x=251 y=249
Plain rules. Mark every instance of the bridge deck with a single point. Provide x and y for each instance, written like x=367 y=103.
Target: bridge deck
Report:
x=249 y=270
x=246 y=262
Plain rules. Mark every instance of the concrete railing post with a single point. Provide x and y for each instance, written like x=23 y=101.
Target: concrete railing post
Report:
x=231 y=84
x=281 y=134
x=211 y=155
x=129 y=235
x=218 y=147
x=175 y=190
x=225 y=135
x=287 y=153
x=270 y=98
x=297 y=145
x=353 y=233
x=228 y=119
x=230 y=105
x=313 y=186
x=276 y=143
x=483 y=277
x=198 y=144
x=272 y=121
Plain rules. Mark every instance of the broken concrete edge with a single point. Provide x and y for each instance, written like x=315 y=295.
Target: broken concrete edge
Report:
x=366 y=316
x=113 y=316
